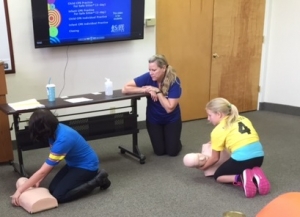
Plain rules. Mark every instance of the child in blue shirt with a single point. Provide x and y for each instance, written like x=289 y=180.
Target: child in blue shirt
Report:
x=80 y=174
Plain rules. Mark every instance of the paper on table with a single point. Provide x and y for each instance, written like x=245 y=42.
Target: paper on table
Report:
x=97 y=93
x=27 y=104
x=80 y=99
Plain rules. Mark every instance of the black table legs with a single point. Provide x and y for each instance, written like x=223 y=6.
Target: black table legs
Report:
x=135 y=148
x=18 y=167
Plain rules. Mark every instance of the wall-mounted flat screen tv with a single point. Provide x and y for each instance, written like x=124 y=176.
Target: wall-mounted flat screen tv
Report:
x=71 y=22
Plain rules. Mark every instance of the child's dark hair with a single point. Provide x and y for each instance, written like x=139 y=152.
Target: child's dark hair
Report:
x=42 y=125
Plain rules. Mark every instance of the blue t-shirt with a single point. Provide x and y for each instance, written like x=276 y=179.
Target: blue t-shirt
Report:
x=72 y=147
x=156 y=114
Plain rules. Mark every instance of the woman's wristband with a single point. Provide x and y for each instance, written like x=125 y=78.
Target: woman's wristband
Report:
x=157 y=92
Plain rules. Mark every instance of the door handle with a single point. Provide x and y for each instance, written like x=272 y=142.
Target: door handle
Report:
x=215 y=55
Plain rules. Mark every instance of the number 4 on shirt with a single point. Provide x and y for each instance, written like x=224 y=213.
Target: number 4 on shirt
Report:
x=243 y=128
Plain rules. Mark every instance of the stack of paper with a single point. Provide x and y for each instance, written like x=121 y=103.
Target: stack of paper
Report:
x=27 y=104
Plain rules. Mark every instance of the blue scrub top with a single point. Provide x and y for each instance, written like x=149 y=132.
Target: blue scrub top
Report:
x=155 y=113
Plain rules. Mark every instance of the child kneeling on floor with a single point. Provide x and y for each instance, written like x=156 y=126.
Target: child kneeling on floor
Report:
x=79 y=176
x=236 y=134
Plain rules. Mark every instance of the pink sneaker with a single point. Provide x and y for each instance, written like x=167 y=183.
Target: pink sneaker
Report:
x=248 y=184
x=263 y=183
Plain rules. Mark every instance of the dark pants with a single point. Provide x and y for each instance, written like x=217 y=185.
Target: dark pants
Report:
x=67 y=179
x=165 y=138
x=233 y=167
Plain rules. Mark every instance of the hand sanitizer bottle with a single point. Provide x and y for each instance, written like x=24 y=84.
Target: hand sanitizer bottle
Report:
x=108 y=87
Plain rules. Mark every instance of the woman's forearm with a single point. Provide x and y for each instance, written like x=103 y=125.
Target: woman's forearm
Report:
x=165 y=103
x=132 y=89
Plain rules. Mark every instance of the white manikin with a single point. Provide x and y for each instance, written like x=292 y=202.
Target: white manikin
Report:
x=35 y=200
x=194 y=160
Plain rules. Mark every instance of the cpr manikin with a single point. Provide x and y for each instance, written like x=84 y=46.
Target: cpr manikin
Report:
x=196 y=160
x=35 y=200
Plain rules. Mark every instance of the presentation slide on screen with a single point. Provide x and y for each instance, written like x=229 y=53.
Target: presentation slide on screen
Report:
x=78 y=20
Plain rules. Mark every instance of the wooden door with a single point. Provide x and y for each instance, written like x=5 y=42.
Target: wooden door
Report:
x=237 y=45
x=189 y=32
x=6 y=151
x=184 y=36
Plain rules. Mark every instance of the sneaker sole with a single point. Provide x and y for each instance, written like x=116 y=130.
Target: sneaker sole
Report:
x=248 y=184
x=263 y=183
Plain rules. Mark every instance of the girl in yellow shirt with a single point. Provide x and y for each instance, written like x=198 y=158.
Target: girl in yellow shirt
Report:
x=236 y=134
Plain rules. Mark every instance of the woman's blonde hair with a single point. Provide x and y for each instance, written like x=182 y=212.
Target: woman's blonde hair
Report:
x=170 y=75
x=221 y=105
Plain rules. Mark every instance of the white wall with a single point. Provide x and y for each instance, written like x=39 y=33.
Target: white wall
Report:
x=280 y=74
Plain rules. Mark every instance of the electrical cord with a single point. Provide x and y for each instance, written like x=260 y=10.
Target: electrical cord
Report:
x=64 y=75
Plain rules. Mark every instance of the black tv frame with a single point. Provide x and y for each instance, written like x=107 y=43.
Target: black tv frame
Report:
x=41 y=25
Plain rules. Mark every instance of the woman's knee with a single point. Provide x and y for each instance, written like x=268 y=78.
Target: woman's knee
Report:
x=173 y=154
x=158 y=149
x=159 y=153
x=173 y=151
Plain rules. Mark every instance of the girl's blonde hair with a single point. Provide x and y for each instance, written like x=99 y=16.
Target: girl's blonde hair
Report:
x=221 y=105
x=170 y=75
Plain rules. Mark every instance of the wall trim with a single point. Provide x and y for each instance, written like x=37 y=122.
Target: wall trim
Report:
x=273 y=107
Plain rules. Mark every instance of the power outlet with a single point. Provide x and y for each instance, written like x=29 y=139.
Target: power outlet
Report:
x=6 y=66
x=150 y=22
x=112 y=110
x=6 y=63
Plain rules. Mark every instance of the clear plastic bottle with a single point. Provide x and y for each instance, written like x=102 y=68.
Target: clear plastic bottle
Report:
x=108 y=87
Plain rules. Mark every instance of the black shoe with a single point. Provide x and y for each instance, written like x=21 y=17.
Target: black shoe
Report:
x=102 y=180
x=106 y=184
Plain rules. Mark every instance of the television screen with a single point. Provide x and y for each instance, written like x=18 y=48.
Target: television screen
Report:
x=70 y=22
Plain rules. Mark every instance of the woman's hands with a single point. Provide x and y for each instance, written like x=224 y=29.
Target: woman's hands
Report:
x=168 y=104
x=149 y=89
x=15 y=198
x=152 y=91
